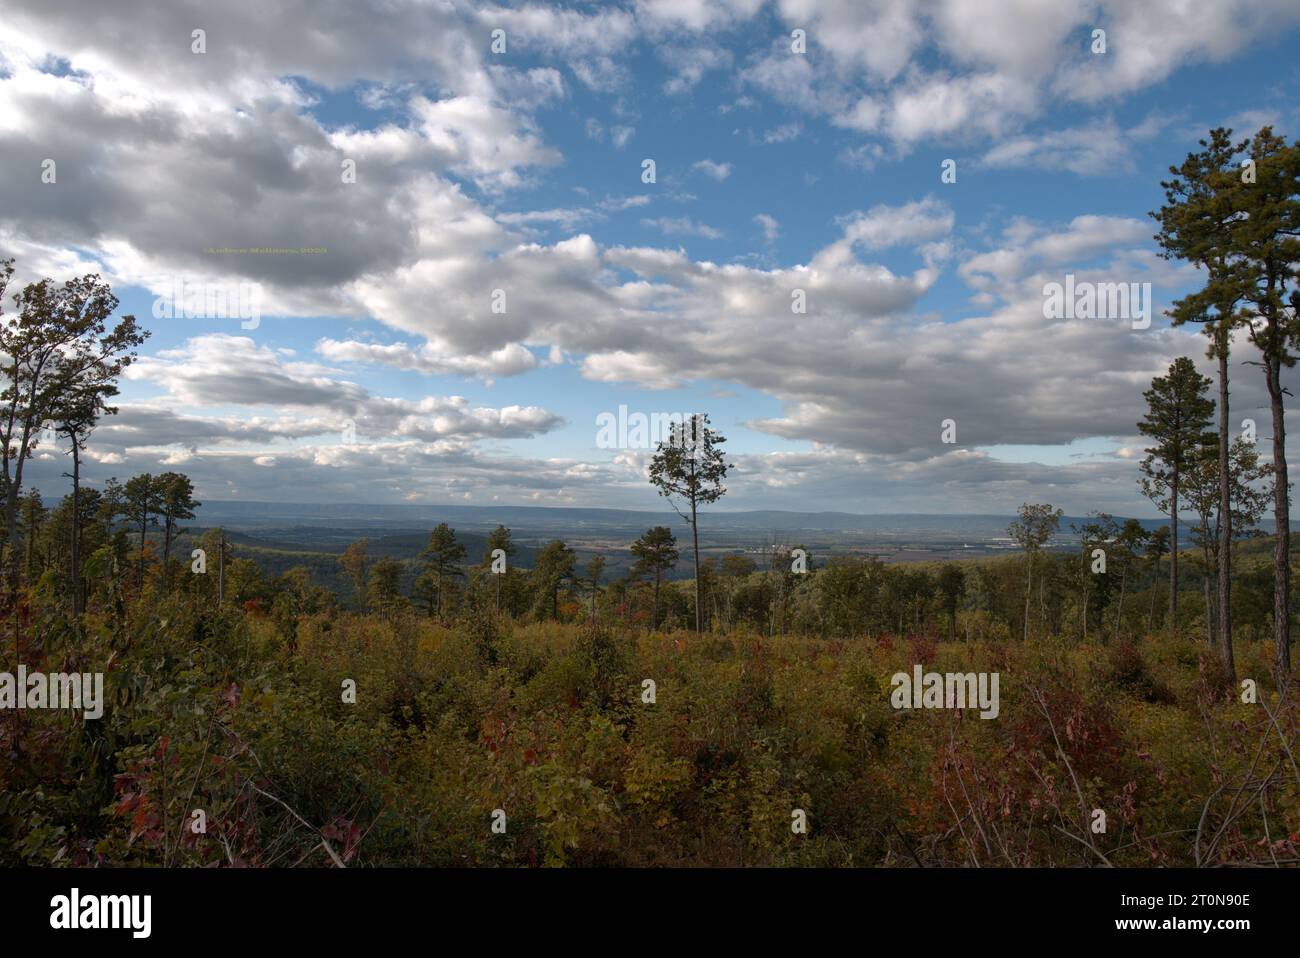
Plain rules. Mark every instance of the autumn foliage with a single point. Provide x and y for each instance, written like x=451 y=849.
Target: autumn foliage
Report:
x=548 y=722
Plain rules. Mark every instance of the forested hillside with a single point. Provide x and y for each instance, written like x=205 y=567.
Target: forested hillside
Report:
x=397 y=725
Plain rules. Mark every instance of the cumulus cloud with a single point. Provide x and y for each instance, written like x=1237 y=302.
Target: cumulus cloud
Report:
x=909 y=224
x=1099 y=147
x=716 y=171
x=165 y=157
x=988 y=64
x=218 y=370
x=510 y=360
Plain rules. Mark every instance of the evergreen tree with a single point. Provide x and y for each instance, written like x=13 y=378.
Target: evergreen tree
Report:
x=952 y=584
x=1265 y=264
x=32 y=516
x=1157 y=548
x=656 y=553
x=442 y=558
x=354 y=565
x=595 y=566
x=1249 y=489
x=1238 y=220
x=143 y=501
x=688 y=469
x=384 y=584
x=76 y=411
x=112 y=505
x=554 y=567
x=56 y=352
x=1177 y=419
x=176 y=503
x=1033 y=528
x=498 y=538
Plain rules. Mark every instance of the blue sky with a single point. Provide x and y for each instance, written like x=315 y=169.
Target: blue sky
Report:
x=521 y=170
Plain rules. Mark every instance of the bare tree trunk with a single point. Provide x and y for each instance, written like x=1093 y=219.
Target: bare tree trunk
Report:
x=654 y=615
x=76 y=526
x=1029 y=590
x=1173 y=551
x=1282 y=519
x=167 y=553
x=30 y=544
x=695 y=542
x=1119 y=612
x=13 y=489
x=144 y=531
x=1209 y=609
x=1225 y=514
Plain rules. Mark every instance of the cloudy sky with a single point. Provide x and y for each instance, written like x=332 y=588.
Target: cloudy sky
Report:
x=450 y=262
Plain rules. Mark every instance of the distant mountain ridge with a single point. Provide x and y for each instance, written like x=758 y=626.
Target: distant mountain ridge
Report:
x=254 y=514
x=280 y=535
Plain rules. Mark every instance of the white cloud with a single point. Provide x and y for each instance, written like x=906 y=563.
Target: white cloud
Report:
x=689 y=64
x=717 y=171
x=671 y=16
x=682 y=226
x=951 y=69
x=510 y=360
x=218 y=371
x=907 y=225
x=783 y=133
x=163 y=154
x=1095 y=148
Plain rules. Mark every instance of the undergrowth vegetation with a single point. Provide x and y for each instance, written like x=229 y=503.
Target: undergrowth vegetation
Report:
x=550 y=730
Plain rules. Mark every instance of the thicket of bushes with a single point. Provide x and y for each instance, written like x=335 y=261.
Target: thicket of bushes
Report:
x=241 y=713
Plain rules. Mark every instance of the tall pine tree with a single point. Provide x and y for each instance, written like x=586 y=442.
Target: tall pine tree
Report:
x=442 y=558
x=689 y=467
x=1196 y=225
x=656 y=553
x=1177 y=422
